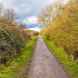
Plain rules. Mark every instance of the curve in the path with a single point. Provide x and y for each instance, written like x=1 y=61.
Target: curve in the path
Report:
x=44 y=64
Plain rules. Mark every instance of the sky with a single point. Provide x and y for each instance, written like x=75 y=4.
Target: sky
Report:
x=26 y=10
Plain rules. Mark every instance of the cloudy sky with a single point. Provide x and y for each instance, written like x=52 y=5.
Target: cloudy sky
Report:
x=25 y=9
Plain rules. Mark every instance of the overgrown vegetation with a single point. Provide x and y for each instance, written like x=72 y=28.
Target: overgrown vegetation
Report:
x=12 y=40
x=13 y=37
x=11 y=71
x=63 y=27
x=16 y=44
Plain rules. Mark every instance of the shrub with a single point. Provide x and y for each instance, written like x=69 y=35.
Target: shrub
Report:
x=12 y=40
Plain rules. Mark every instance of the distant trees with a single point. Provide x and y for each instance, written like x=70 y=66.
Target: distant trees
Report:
x=63 y=29
x=7 y=13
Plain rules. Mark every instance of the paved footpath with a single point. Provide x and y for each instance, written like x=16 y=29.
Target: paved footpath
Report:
x=44 y=64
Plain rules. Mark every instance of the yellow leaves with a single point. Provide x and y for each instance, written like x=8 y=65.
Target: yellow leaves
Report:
x=64 y=28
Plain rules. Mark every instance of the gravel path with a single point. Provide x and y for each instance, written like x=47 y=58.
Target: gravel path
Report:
x=44 y=64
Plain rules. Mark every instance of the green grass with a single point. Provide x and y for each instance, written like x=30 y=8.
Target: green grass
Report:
x=70 y=66
x=24 y=57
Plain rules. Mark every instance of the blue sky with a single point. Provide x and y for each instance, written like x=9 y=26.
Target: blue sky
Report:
x=26 y=8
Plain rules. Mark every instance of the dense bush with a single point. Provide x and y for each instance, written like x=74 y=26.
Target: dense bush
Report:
x=12 y=39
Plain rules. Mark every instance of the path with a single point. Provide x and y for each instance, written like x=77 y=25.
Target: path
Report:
x=44 y=64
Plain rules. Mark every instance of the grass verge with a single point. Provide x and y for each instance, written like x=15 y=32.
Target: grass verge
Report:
x=70 y=66
x=24 y=57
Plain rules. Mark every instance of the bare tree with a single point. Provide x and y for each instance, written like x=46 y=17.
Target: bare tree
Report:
x=1 y=9
x=9 y=14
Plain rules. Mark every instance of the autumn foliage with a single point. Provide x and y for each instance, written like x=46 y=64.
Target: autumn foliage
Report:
x=63 y=28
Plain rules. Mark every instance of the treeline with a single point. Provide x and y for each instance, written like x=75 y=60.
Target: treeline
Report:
x=62 y=22
x=13 y=37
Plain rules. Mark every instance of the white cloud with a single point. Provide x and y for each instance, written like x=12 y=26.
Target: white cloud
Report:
x=65 y=1
x=31 y=20
x=35 y=29
x=62 y=1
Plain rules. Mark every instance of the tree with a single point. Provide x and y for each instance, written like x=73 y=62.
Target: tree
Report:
x=9 y=14
x=63 y=29
x=1 y=9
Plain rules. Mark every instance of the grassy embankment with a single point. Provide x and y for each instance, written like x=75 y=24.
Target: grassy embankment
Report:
x=70 y=66
x=25 y=56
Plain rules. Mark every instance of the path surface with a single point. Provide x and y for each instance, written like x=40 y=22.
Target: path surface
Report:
x=44 y=64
